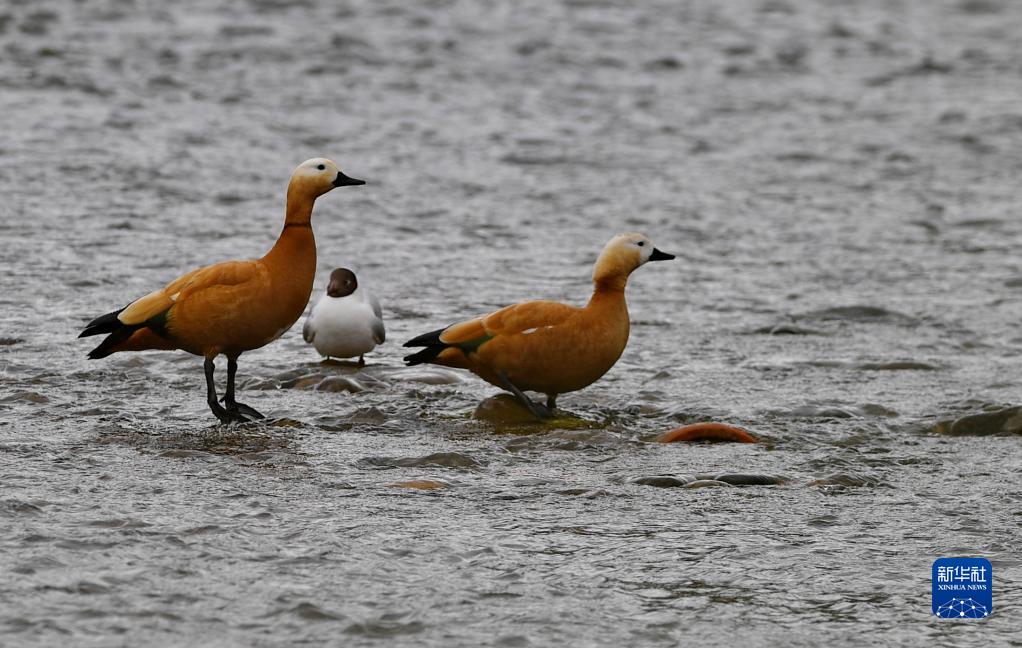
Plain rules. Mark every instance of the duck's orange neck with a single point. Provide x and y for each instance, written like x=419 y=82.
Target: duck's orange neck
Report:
x=292 y=260
x=609 y=297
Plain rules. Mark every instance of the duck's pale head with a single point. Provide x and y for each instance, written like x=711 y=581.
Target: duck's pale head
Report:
x=623 y=254
x=320 y=175
x=342 y=283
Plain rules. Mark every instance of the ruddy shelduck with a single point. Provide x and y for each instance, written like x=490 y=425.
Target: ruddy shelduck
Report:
x=546 y=346
x=231 y=307
x=347 y=321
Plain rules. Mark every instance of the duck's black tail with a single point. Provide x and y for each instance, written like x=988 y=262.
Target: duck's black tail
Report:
x=117 y=332
x=103 y=324
x=433 y=348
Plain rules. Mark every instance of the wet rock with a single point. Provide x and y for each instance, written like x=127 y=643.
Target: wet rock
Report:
x=388 y=625
x=872 y=409
x=845 y=479
x=312 y=612
x=503 y=408
x=821 y=411
x=905 y=365
x=303 y=380
x=183 y=453
x=662 y=481
x=739 y=479
x=708 y=483
x=1004 y=421
x=339 y=384
x=437 y=459
x=14 y=507
x=25 y=396
x=421 y=484
x=709 y=432
x=858 y=313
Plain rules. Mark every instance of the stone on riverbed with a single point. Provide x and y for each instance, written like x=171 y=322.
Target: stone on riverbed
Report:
x=421 y=484
x=1003 y=421
x=712 y=432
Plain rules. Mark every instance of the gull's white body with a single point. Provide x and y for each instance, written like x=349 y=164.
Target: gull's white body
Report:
x=345 y=327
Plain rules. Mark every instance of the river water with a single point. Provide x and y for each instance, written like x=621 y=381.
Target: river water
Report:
x=839 y=180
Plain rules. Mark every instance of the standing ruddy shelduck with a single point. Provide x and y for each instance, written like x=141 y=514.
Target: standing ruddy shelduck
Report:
x=545 y=346
x=347 y=321
x=231 y=307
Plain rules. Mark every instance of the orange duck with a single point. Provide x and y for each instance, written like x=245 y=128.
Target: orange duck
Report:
x=231 y=307
x=546 y=346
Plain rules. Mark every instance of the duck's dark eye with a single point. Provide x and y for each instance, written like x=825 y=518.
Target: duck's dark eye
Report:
x=641 y=243
x=322 y=167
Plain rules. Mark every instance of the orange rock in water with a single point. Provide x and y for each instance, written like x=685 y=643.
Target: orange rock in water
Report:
x=716 y=432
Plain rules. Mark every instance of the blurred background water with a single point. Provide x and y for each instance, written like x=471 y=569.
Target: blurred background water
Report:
x=840 y=180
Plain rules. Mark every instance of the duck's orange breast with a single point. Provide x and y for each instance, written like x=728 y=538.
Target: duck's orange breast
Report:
x=243 y=305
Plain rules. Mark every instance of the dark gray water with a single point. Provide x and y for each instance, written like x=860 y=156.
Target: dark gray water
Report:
x=842 y=184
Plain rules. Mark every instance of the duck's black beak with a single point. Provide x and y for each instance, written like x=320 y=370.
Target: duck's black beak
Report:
x=660 y=256
x=344 y=181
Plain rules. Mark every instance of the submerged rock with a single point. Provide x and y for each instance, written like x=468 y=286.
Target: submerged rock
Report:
x=435 y=460
x=858 y=313
x=739 y=479
x=663 y=481
x=1003 y=421
x=340 y=383
x=846 y=479
x=421 y=484
x=503 y=408
x=708 y=483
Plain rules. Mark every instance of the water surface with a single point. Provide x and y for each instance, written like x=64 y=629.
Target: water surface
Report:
x=841 y=184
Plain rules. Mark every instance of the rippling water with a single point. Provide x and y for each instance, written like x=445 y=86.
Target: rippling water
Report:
x=841 y=184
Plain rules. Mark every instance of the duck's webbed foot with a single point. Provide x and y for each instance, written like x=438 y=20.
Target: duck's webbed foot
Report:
x=238 y=411
x=538 y=410
x=241 y=412
x=231 y=411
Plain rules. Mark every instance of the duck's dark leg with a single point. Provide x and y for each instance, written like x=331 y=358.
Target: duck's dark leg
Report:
x=361 y=361
x=551 y=402
x=214 y=404
x=537 y=409
x=238 y=411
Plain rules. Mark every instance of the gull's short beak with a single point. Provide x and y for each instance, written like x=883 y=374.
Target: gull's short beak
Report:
x=660 y=256
x=344 y=181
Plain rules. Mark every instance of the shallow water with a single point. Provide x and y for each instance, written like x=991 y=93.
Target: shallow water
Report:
x=841 y=184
